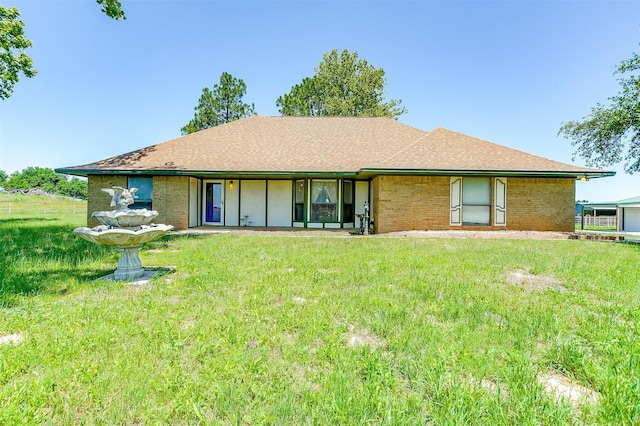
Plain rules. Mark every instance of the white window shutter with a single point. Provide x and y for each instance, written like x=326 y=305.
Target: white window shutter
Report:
x=455 y=211
x=500 y=202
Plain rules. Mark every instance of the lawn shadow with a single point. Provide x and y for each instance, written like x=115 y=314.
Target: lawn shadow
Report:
x=40 y=257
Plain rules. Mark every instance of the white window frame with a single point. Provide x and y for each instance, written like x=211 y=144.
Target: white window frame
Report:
x=498 y=204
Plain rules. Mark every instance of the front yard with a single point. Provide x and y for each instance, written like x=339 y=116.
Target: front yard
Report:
x=255 y=329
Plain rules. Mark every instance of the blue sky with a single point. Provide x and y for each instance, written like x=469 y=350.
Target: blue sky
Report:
x=508 y=72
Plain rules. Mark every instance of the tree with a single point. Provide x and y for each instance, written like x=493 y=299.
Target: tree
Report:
x=342 y=85
x=13 y=58
x=3 y=177
x=47 y=180
x=74 y=187
x=112 y=8
x=222 y=104
x=305 y=98
x=35 y=177
x=603 y=136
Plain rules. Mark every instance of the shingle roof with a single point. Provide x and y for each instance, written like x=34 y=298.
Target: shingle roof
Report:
x=325 y=145
x=627 y=202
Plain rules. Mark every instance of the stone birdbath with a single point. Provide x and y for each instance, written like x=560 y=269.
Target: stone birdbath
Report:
x=125 y=230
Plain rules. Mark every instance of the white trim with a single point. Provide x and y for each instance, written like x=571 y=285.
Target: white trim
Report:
x=455 y=201
x=193 y=202
x=500 y=202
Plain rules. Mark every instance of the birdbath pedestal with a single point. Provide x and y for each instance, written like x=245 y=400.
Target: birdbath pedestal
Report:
x=129 y=265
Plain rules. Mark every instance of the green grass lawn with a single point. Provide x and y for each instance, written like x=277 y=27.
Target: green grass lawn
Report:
x=255 y=329
x=15 y=206
x=579 y=227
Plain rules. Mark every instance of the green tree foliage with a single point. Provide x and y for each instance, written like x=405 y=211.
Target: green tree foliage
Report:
x=112 y=8
x=74 y=188
x=3 y=177
x=222 y=104
x=603 y=136
x=306 y=98
x=342 y=85
x=47 y=180
x=13 y=58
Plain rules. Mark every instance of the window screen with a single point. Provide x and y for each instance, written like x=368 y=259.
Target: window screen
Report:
x=476 y=201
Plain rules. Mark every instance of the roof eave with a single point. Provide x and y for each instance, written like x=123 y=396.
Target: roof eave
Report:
x=204 y=174
x=585 y=175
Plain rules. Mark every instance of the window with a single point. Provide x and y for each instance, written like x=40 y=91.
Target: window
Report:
x=324 y=195
x=476 y=201
x=347 y=201
x=471 y=201
x=144 y=195
x=298 y=214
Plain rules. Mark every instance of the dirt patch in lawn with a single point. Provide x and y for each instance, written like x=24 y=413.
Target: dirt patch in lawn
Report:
x=364 y=337
x=531 y=282
x=11 y=339
x=561 y=387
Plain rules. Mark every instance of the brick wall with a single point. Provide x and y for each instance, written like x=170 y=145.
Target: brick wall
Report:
x=404 y=203
x=171 y=200
x=98 y=200
x=541 y=204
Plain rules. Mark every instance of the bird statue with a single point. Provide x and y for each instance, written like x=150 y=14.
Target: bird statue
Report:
x=121 y=197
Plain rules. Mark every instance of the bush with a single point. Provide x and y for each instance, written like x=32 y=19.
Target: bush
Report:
x=47 y=180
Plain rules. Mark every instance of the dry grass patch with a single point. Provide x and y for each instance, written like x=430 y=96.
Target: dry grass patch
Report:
x=11 y=339
x=364 y=337
x=561 y=387
x=531 y=282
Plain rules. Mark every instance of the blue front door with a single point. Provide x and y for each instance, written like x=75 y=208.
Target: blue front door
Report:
x=213 y=205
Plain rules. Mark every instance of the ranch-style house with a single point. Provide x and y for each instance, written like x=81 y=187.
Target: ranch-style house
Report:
x=318 y=172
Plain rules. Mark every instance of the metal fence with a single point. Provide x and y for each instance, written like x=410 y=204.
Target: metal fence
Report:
x=609 y=221
x=22 y=208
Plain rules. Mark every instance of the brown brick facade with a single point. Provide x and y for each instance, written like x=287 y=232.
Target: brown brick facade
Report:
x=399 y=203
x=422 y=203
x=541 y=204
x=98 y=200
x=170 y=198
x=402 y=203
